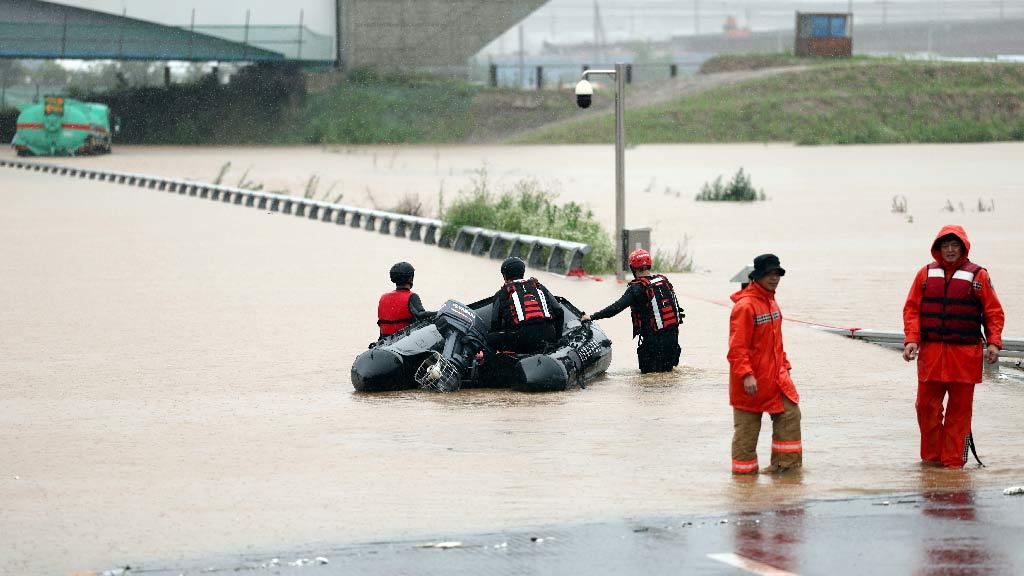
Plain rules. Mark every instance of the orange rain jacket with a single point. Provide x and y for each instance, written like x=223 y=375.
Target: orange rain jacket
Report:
x=943 y=361
x=755 y=347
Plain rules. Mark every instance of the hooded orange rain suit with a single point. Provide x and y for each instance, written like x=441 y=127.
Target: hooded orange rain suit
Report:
x=755 y=347
x=949 y=368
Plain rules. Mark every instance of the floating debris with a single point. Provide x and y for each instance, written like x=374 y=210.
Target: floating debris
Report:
x=1014 y=491
x=536 y=539
x=442 y=545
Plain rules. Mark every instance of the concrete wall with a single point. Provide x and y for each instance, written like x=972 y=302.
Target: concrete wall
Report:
x=434 y=34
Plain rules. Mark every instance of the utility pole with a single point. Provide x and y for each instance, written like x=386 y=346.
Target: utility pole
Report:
x=301 y=15
x=191 y=33
x=339 y=18
x=521 y=58
x=245 y=42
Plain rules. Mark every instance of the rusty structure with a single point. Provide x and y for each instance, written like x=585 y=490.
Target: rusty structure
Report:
x=827 y=34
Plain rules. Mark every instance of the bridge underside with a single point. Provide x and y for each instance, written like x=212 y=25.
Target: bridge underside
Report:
x=423 y=33
x=34 y=29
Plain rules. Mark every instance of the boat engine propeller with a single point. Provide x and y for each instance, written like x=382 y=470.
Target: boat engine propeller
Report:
x=464 y=335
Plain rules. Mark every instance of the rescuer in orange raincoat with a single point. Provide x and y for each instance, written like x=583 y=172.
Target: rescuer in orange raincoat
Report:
x=759 y=378
x=950 y=302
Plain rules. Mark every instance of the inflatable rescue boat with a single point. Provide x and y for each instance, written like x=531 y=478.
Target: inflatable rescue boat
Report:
x=451 y=352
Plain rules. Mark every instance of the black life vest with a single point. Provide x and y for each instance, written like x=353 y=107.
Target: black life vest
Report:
x=393 y=311
x=950 y=310
x=660 y=308
x=526 y=301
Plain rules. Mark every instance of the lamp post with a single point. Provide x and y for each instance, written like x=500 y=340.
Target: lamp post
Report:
x=584 y=96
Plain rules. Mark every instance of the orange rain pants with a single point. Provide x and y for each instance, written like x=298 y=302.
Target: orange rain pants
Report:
x=945 y=442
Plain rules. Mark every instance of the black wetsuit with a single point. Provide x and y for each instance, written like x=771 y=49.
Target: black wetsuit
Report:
x=417 y=310
x=657 y=351
x=528 y=337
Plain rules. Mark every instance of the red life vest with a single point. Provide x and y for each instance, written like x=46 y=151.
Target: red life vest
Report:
x=526 y=301
x=660 y=308
x=950 y=310
x=393 y=311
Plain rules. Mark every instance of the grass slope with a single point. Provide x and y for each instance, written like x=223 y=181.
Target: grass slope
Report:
x=845 y=103
x=384 y=110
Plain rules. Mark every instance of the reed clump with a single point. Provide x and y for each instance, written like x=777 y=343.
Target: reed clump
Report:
x=739 y=189
x=528 y=207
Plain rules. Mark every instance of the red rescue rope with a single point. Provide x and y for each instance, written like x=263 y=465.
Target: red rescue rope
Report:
x=728 y=304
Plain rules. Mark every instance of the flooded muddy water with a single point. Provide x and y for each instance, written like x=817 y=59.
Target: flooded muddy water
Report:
x=174 y=371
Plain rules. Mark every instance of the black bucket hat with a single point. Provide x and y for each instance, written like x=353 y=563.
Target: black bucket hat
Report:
x=764 y=264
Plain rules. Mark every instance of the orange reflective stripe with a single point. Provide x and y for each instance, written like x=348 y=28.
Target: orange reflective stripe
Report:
x=782 y=446
x=744 y=465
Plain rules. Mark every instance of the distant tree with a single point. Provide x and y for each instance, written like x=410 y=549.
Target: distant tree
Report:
x=50 y=73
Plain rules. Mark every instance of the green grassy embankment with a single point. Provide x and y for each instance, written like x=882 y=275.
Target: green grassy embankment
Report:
x=860 y=101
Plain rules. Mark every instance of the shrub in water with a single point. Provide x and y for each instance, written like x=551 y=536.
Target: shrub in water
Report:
x=739 y=189
x=529 y=208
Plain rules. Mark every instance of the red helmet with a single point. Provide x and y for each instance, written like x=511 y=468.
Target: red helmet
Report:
x=640 y=259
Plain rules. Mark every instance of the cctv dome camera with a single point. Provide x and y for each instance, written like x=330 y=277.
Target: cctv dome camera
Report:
x=584 y=94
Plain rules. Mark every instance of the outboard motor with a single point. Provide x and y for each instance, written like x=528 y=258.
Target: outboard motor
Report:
x=464 y=335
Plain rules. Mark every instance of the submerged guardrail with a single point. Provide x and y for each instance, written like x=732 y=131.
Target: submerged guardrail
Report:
x=551 y=254
x=1012 y=347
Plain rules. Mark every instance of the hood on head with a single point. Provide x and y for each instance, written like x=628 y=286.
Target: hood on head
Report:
x=951 y=229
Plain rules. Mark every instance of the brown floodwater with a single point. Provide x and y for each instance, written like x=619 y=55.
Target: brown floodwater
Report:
x=174 y=371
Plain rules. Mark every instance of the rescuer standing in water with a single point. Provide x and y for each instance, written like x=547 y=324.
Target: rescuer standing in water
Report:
x=656 y=315
x=401 y=307
x=759 y=378
x=950 y=302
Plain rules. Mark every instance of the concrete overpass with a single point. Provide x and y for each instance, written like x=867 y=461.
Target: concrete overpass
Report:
x=44 y=30
x=433 y=34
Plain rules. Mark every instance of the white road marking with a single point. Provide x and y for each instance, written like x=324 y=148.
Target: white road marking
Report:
x=748 y=565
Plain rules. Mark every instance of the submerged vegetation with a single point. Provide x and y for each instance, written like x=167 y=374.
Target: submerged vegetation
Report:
x=739 y=189
x=527 y=207
x=678 y=259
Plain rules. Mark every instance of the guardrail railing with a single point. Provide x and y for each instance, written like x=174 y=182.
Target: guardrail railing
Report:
x=1012 y=347
x=551 y=254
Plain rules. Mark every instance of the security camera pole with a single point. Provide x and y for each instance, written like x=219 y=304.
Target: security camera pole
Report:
x=584 y=94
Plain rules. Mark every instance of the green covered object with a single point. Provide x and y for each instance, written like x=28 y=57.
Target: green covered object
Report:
x=59 y=126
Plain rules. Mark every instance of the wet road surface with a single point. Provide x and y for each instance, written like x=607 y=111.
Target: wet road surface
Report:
x=935 y=533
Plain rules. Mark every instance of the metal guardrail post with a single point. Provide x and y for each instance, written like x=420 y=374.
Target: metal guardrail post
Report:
x=533 y=257
x=443 y=240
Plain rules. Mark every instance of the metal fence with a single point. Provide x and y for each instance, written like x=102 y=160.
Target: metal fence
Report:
x=550 y=254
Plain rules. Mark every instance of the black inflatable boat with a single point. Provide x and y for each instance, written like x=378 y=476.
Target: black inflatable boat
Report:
x=450 y=352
